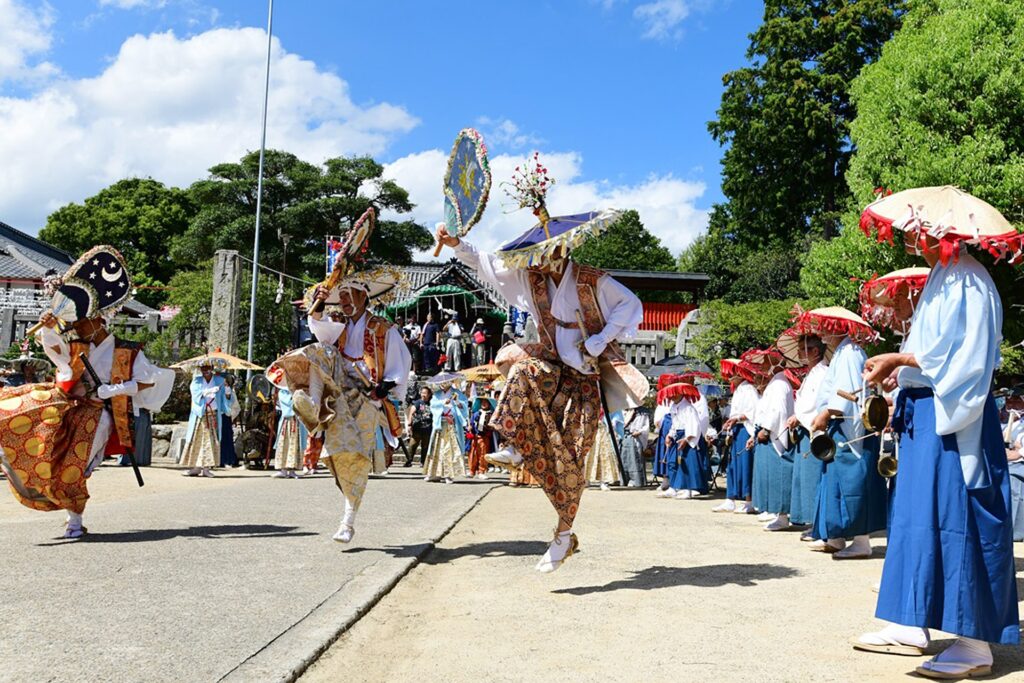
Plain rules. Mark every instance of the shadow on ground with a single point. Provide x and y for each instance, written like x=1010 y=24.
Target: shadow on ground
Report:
x=708 y=576
x=220 y=531
x=489 y=549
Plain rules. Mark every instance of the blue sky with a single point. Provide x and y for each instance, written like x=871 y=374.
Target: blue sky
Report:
x=617 y=93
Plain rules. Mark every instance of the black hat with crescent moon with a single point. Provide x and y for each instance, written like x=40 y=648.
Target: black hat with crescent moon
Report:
x=97 y=284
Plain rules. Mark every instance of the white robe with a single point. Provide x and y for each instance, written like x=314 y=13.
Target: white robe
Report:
x=845 y=372
x=684 y=416
x=744 y=405
x=806 y=405
x=621 y=309
x=774 y=410
x=101 y=357
x=954 y=336
x=397 y=360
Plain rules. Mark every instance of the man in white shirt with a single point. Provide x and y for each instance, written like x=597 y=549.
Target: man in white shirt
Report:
x=550 y=407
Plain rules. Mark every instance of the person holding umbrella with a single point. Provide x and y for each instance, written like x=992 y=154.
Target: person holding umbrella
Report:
x=343 y=384
x=548 y=412
x=949 y=563
x=205 y=422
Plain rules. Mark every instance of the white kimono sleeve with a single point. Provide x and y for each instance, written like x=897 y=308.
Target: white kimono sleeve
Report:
x=325 y=330
x=623 y=313
x=58 y=351
x=152 y=398
x=955 y=336
x=512 y=283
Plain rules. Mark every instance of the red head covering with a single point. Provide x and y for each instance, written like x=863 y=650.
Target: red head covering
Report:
x=762 y=362
x=833 y=321
x=679 y=389
x=880 y=295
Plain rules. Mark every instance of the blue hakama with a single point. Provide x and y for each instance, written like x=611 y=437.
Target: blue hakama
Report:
x=949 y=563
x=764 y=457
x=660 y=466
x=807 y=472
x=739 y=474
x=685 y=471
x=780 y=482
x=1016 y=470
x=852 y=495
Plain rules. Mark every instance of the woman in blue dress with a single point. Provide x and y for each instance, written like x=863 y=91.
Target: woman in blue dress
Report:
x=949 y=563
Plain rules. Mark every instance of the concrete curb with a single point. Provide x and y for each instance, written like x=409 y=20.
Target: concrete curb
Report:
x=285 y=658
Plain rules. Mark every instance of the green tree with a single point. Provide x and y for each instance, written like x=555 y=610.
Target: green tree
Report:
x=626 y=244
x=192 y=292
x=138 y=216
x=834 y=271
x=944 y=105
x=731 y=329
x=739 y=272
x=302 y=203
x=784 y=119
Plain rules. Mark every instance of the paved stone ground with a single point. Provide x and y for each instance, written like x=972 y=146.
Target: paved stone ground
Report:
x=662 y=590
x=201 y=579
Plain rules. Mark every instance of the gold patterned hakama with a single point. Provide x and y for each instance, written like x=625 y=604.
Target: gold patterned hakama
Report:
x=444 y=457
x=602 y=466
x=47 y=438
x=331 y=401
x=289 y=451
x=549 y=412
x=203 y=449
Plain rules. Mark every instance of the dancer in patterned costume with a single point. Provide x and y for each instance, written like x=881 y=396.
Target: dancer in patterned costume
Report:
x=548 y=412
x=341 y=384
x=54 y=434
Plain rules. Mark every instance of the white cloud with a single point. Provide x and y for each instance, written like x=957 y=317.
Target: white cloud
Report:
x=662 y=18
x=24 y=35
x=504 y=133
x=170 y=108
x=667 y=205
x=132 y=4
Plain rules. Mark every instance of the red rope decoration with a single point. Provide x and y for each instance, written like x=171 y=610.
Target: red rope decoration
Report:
x=1009 y=246
x=677 y=390
x=808 y=322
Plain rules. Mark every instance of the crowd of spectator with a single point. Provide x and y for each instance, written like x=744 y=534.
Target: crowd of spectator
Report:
x=446 y=345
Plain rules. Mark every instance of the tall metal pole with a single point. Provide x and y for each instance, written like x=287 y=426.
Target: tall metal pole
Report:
x=259 y=188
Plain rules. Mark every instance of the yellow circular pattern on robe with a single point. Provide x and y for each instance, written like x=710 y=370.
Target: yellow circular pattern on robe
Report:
x=81 y=449
x=71 y=474
x=41 y=395
x=12 y=403
x=90 y=425
x=35 y=446
x=20 y=424
x=22 y=475
x=43 y=470
x=50 y=415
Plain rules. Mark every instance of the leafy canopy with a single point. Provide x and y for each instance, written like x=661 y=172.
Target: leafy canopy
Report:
x=784 y=120
x=302 y=203
x=138 y=216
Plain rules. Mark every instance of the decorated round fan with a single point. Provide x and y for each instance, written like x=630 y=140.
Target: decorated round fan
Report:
x=355 y=241
x=467 y=184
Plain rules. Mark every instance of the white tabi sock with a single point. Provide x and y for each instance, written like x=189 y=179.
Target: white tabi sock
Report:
x=860 y=544
x=556 y=552
x=74 y=520
x=907 y=635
